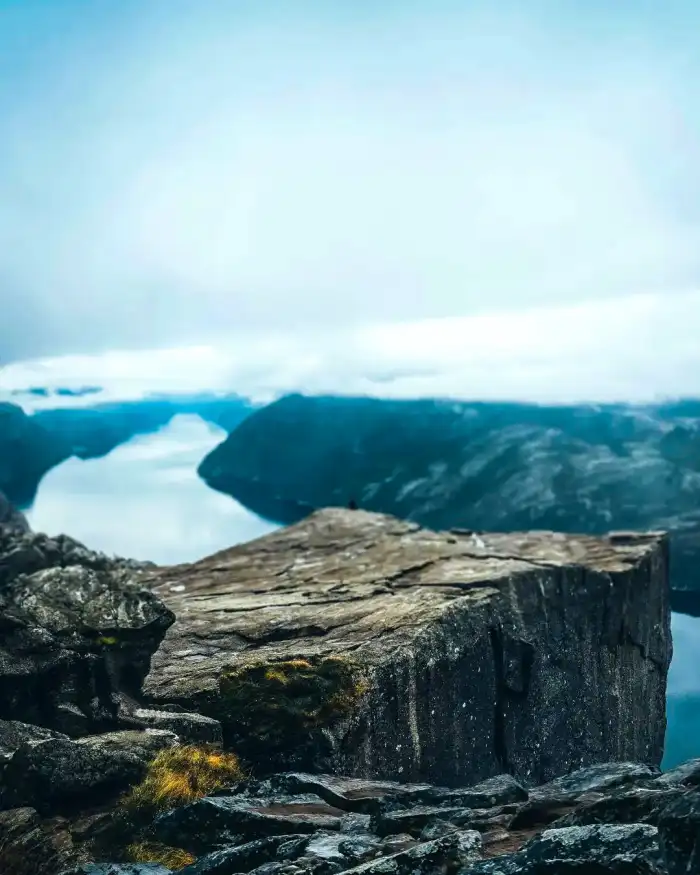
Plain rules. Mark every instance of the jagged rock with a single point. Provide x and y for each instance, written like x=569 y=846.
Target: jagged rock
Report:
x=190 y=728
x=620 y=850
x=448 y=853
x=118 y=869
x=679 y=833
x=61 y=772
x=77 y=630
x=362 y=795
x=559 y=797
x=10 y=517
x=209 y=820
x=14 y=734
x=356 y=644
x=484 y=466
x=30 y=846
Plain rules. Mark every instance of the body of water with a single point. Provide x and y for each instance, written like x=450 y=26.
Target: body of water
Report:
x=144 y=500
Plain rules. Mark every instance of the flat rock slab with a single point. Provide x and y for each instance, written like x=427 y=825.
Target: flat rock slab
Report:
x=357 y=644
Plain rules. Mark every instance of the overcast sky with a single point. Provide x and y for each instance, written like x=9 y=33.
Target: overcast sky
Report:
x=196 y=172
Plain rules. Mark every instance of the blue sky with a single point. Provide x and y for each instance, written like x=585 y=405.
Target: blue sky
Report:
x=178 y=174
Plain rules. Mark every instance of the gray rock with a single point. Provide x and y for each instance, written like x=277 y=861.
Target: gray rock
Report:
x=398 y=653
x=679 y=834
x=118 y=869
x=76 y=630
x=686 y=774
x=212 y=821
x=619 y=850
x=248 y=856
x=29 y=846
x=190 y=728
x=448 y=853
x=560 y=796
x=61 y=773
x=14 y=733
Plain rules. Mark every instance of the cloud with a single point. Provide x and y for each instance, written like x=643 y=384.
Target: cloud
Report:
x=642 y=348
x=176 y=172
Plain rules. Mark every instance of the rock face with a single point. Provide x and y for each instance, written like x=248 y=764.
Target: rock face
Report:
x=621 y=818
x=361 y=645
x=77 y=631
x=481 y=466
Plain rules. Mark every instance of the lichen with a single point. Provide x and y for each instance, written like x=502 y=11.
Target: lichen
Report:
x=107 y=640
x=155 y=852
x=271 y=701
x=179 y=775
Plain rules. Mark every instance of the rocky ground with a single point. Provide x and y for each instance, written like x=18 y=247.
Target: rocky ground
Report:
x=327 y=635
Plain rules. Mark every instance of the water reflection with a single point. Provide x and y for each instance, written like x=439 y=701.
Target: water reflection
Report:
x=144 y=499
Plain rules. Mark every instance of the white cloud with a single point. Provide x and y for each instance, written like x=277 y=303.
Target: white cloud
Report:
x=233 y=175
x=635 y=349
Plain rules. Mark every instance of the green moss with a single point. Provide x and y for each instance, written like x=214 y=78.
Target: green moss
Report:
x=107 y=640
x=155 y=852
x=275 y=702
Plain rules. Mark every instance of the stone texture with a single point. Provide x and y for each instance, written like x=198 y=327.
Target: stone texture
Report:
x=77 y=631
x=357 y=644
x=10 y=517
x=62 y=773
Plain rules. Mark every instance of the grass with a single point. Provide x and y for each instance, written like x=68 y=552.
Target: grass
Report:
x=155 y=852
x=180 y=775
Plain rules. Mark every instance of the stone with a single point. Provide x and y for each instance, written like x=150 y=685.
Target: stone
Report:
x=560 y=796
x=449 y=853
x=77 y=631
x=679 y=834
x=190 y=728
x=356 y=644
x=630 y=849
x=211 y=820
x=62 y=773
x=118 y=869
x=14 y=733
x=30 y=846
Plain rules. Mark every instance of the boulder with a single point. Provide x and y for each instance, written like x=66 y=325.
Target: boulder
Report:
x=60 y=774
x=77 y=631
x=356 y=644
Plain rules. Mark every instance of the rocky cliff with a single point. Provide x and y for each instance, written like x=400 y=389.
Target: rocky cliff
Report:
x=359 y=644
x=482 y=466
x=507 y=669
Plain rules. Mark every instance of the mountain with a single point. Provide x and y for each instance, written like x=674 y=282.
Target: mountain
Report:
x=31 y=444
x=480 y=466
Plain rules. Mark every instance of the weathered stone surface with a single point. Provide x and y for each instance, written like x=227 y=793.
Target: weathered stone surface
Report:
x=77 y=631
x=30 y=846
x=623 y=850
x=357 y=644
x=14 y=733
x=61 y=772
x=189 y=728
x=679 y=832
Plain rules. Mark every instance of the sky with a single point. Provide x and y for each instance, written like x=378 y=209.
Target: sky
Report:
x=432 y=198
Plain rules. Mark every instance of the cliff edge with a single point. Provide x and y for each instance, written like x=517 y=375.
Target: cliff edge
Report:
x=358 y=644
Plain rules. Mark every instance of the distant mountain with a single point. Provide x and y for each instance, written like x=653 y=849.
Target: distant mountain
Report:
x=481 y=466
x=10 y=517
x=33 y=444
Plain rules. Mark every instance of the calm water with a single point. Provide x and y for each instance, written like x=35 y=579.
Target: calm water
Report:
x=145 y=500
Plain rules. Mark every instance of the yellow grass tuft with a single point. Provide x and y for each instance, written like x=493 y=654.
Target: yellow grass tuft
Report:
x=180 y=775
x=154 y=852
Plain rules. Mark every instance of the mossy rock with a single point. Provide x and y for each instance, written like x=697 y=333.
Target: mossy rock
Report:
x=275 y=712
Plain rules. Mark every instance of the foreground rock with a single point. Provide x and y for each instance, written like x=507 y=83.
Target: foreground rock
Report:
x=10 y=517
x=486 y=466
x=77 y=631
x=294 y=824
x=358 y=644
